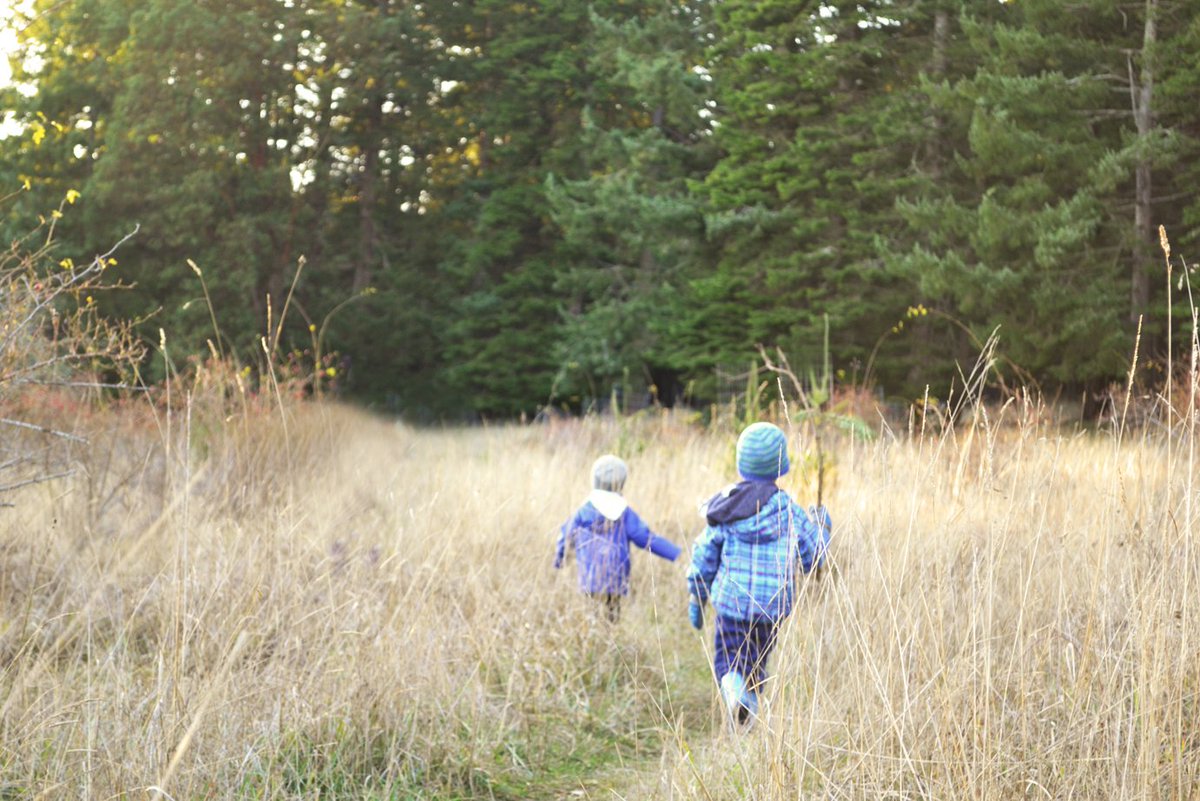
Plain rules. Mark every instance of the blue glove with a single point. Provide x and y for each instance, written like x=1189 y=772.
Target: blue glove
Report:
x=695 y=613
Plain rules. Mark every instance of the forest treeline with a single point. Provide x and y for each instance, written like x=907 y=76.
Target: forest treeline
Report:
x=501 y=204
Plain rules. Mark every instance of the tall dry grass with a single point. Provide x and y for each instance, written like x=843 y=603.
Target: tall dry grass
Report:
x=310 y=602
x=1013 y=616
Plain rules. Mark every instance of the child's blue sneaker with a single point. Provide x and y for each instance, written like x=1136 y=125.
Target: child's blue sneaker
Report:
x=750 y=704
x=742 y=704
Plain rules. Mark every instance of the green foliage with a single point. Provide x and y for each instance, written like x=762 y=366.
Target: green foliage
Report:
x=499 y=350
x=631 y=230
x=802 y=202
x=238 y=136
x=552 y=198
x=1025 y=231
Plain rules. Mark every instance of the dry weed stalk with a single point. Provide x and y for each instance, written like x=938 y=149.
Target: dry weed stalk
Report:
x=384 y=620
x=55 y=345
x=315 y=602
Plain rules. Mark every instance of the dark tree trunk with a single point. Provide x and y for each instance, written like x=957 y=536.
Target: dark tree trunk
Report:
x=1142 y=91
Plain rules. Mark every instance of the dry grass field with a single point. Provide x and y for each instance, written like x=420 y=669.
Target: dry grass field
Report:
x=310 y=602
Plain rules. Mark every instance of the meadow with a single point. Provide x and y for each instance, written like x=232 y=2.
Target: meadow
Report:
x=307 y=601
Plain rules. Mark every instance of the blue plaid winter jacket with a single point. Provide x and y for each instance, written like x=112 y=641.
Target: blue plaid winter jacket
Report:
x=745 y=560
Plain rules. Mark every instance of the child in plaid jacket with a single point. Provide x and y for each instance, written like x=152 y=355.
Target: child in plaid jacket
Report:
x=745 y=563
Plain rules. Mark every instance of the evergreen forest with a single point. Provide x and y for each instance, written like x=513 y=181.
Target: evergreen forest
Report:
x=481 y=208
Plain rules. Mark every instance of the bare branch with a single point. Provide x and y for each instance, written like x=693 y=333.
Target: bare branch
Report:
x=31 y=481
x=77 y=385
x=42 y=430
x=103 y=257
x=77 y=277
x=14 y=462
x=783 y=369
x=59 y=359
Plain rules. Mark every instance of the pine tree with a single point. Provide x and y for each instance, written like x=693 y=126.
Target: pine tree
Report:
x=1178 y=200
x=1035 y=235
x=526 y=80
x=182 y=124
x=813 y=105
x=632 y=231
x=241 y=137
x=62 y=98
x=375 y=174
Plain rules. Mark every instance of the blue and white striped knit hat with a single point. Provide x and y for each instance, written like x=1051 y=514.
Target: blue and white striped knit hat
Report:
x=762 y=452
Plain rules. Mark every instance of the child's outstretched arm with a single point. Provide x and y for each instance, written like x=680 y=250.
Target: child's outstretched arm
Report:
x=564 y=536
x=813 y=530
x=641 y=536
x=706 y=559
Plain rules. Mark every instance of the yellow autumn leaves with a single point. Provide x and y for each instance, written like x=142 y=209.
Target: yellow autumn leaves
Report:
x=913 y=311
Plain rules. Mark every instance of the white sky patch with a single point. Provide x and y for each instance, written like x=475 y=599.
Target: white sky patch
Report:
x=306 y=95
x=8 y=43
x=9 y=10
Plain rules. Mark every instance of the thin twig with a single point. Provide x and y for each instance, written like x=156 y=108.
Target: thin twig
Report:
x=42 y=430
x=78 y=385
x=38 y=480
x=60 y=358
x=103 y=257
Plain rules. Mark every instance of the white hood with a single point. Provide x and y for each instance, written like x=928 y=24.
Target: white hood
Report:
x=609 y=504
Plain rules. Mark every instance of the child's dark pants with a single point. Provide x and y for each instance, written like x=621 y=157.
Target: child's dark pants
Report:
x=611 y=602
x=744 y=647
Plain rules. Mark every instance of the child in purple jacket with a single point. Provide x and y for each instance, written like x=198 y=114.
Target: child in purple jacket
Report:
x=600 y=533
x=746 y=562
